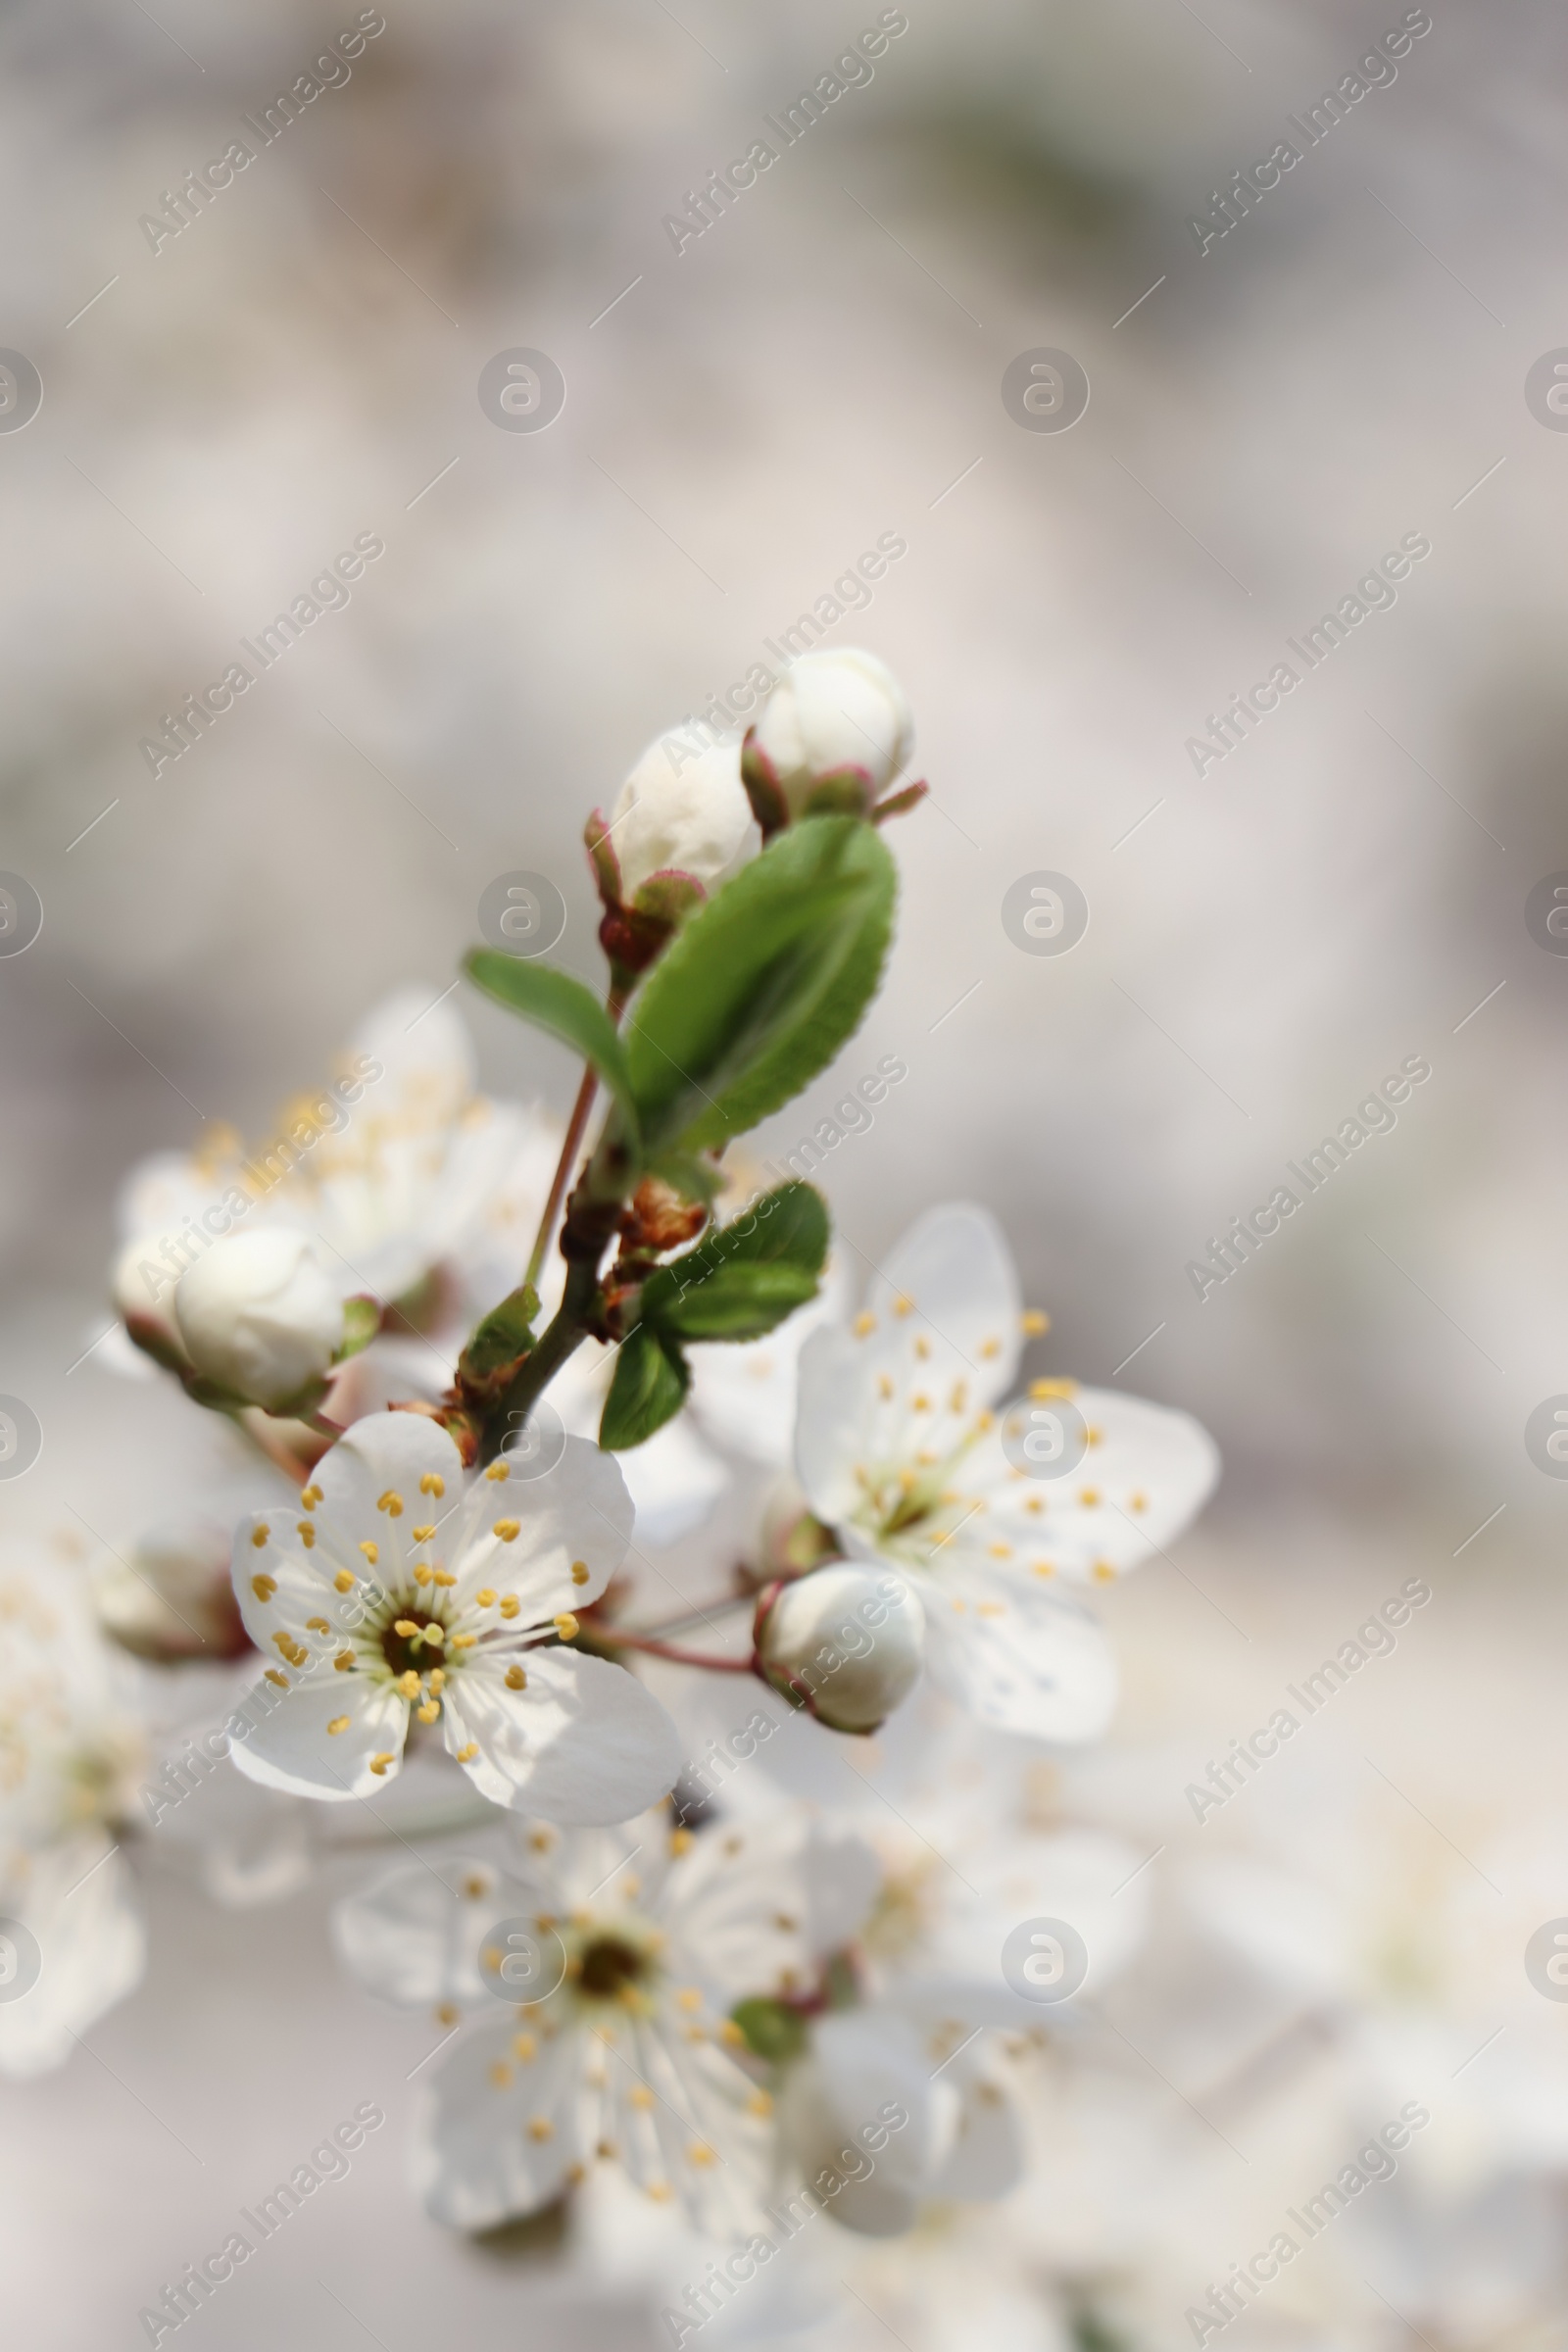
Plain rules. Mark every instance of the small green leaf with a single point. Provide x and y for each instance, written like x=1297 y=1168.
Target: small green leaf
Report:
x=648 y=1389
x=772 y=2029
x=505 y=1334
x=553 y=1002
x=743 y=1280
x=763 y=985
x=361 y=1320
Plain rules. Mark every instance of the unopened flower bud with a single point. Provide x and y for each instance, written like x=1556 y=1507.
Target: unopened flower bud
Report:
x=834 y=714
x=845 y=1641
x=683 y=811
x=173 y=1597
x=261 y=1316
x=143 y=1287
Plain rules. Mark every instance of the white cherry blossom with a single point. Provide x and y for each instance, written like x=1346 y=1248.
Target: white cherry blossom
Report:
x=399 y=1590
x=898 y=1447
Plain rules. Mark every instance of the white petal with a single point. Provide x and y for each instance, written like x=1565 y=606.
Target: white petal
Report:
x=840 y=2111
x=84 y=1913
x=584 y=1742
x=576 y=1516
x=1033 y=1661
x=954 y=1264
x=1144 y=1478
x=744 y=1397
x=303 y=1582
x=754 y=1899
x=428 y=1069
x=474 y=2159
x=985 y=2160
x=413 y=1936
x=292 y=1748
x=388 y=1451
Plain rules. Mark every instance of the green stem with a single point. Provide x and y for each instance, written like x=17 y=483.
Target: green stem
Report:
x=560 y=1340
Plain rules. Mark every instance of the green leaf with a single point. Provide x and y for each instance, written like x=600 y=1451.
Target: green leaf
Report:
x=763 y=986
x=553 y=1002
x=772 y=2029
x=744 y=1279
x=361 y=1320
x=648 y=1389
x=504 y=1334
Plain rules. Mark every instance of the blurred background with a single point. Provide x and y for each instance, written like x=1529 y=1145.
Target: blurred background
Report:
x=227 y=407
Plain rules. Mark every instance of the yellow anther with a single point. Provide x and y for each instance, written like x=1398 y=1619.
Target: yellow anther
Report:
x=343 y=1581
x=1034 y=1504
x=306 y=1534
x=501 y=2074
x=378 y=1764
x=884 y=1386
x=466 y=1755
x=576 y=2173
x=463 y=1640
x=281 y=1680
x=689 y=1997
x=1138 y=1503
x=264 y=1587
x=990 y=1347
x=422 y=1535
x=1043 y=1389
x=516 y=1680
x=507 y=1529
x=318 y=1624
x=983 y=1422
x=499 y=1471
x=429 y=1712
x=922 y=1347
x=640 y=2096
x=409 y=1684
x=731 y=2036
x=406 y=1626
x=286 y=1644
x=700 y=2152
x=523 y=2047
x=391 y=1504
x=343 y=1661
x=566 y=1626
x=485 y=1599
x=1000 y=1550
x=446 y=2013
x=424 y=1575
x=339 y=1723
x=309 y=1497
x=431 y=1481
x=1034 y=1323
x=680 y=1841
x=990 y=1608
x=864 y=1325
x=659 y=2191
x=438 y=1675
x=606 y=2149
x=902 y=1305
x=510 y=1605
x=1105 y=1570
x=1045 y=1567
x=370 y=1551
x=921 y=1401
x=258 y=1535
x=1089 y=1496
x=1093 y=1436
x=579 y=1572
x=444 y=1576
x=761 y=2102
x=541 y=2128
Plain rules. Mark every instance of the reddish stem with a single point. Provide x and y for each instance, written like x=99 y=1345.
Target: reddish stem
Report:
x=672 y=1650
x=575 y=1129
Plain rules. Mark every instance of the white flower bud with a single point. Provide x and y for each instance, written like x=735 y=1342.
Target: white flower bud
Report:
x=833 y=711
x=683 y=811
x=143 y=1289
x=261 y=1315
x=846 y=1640
x=173 y=1597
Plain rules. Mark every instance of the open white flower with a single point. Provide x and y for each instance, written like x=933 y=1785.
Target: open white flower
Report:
x=630 y=2055
x=685 y=815
x=397 y=1588
x=71 y=1750
x=830 y=711
x=899 y=1451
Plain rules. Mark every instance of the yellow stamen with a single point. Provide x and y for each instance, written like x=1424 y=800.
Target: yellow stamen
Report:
x=1040 y=1390
x=409 y=1684
x=507 y=1529
x=498 y=1471
x=444 y=1576
x=391 y=1504
x=339 y=1723
x=343 y=1661
x=579 y=1572
x=680 y=1841
x=1034 y=1323
x=516 y=1680
x=378 y=1764
x=510 y=1605
x=309 y=1498
x=501 y=2074
x=541 y=2128
x=343 y=1581
x=463 y=1640
x=318 y=1624
x=864 y=1325
x=431 y=1481
x=566 y=1626
x=264 y=1587
x=370 y=1551
x=438 y=1675
x=523 y=2047
x=258 y=1535
x=406 y=1626
x=761 y=2102
x=640 y=2096
x=485 y=1599
x=466 y=1755
x=423 y=1575
x=429 y=1712
x=306 y=1534
x=422 y=1535
x=281 y=1680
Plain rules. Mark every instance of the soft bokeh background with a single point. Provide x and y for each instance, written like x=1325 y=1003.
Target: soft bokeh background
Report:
x=300 y=365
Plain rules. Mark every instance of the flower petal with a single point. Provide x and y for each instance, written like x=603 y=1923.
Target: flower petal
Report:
x=413 y=1936
x=1019 y=1658
x=1147 y=1473
x=495 y=2135
x=293 y=1747
x=562 y=1535
x=584 y=1742
x=955 y=1268
x=83 y=1910
x=387 y=1452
